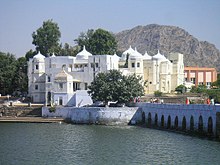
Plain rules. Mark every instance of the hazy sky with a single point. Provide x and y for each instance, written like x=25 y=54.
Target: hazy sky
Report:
x=20 y=18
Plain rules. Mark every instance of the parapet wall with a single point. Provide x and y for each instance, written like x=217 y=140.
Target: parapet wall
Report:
x=95 y=115
x=203 y=119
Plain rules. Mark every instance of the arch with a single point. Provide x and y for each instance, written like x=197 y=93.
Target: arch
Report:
x=176 y=122
x=162 y=121
x=169 y=122
x=156 y=120
x=200 y=124
x=149 y=120
x=143 y=117
x=210 y=126
x=191 y=123
x=184 y=123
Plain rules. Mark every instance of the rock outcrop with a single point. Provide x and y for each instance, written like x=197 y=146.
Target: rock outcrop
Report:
x=170 y=39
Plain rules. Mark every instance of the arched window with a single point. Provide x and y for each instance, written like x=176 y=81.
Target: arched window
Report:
x=162 y=121
x=149 y=120
x=191 y=123
x=60 y=100
x=169 y=122
x=184 y=123
x=200 y=126
x=143 y=117
x=156 y=120
x=210 y=126
x=48 y=79
x=176 y=122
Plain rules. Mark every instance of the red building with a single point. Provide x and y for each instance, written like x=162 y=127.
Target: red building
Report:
x=200 y=76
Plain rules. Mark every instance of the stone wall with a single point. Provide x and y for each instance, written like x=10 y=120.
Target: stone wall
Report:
x=201 y=119
x=218 y=125
x=95 y=115
x=20 y=111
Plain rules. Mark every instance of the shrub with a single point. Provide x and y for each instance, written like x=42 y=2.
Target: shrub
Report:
x=52 y=109
x=157 y=93
x=180 y=89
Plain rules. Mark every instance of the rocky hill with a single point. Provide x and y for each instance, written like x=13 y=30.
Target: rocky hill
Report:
x=170 y=39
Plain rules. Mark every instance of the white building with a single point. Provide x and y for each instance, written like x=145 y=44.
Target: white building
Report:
x=57 y=79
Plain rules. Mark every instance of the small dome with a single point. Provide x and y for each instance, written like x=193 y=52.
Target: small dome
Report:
x=62 y=76
x=53 y=55
x=125 y=53
x=136 y=55
x=146 y=56
x=159 y=56
x=39 y=57
x=129 y=51
x=83 y=55
x=116 y=56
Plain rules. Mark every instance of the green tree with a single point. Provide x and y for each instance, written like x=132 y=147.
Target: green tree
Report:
x=98 y=42
x=30 y=54
x=180 y=89
x=7 y=72
x=68 y=50
x=113 y=86
x=83 y=39
x=20 y=80
x=199 y=89
x=46 y=38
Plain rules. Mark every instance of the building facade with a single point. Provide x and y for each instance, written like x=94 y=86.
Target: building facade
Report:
x=56 y=79
x=200 y=75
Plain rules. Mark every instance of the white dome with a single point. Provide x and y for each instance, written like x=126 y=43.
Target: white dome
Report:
x=83 y=55
x=129 y=51
x=53 y=55
x=116 y=56
x=159 y=56
x=39 y=57
x=136 y=55
x=126 y=52
x=146 y=56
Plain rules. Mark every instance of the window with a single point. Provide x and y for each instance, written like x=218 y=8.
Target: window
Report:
x=70 y=68
x=36 y=67
x=36 y=87
x=48 y=79
x=193 y=80
x=138 y=64
x=60 y=100
x=133 y=65
x=60 y=85
x=86 y=86
x=96 y=65
x=76 y=86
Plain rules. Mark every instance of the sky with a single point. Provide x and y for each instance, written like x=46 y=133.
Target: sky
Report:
x=20 y=18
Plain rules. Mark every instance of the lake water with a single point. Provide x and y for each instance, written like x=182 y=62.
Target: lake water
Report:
x=66 y=144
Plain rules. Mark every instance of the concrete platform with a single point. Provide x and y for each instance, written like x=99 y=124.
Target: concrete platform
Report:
x=30 y=120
